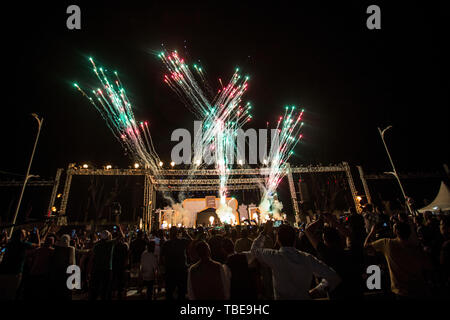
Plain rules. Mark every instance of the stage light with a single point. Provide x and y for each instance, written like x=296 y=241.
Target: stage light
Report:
x=85 y=166
x=53 y=209
x=265 y=161
x=211 y=220
x=108 y=167
x=240 y=162
x=172 y=164
x=197 y=162
x=358 y=198
x=59 y=195
x=161 y=163
x=136 y=165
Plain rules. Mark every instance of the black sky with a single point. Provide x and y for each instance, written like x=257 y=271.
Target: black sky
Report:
x=320 y=56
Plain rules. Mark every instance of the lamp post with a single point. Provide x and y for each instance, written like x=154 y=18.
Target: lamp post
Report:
x=27 y=176
x=393 y=172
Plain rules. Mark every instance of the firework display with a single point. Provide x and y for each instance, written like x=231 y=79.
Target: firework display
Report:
x=221 y=115
x=288 y=128
x=116 y=109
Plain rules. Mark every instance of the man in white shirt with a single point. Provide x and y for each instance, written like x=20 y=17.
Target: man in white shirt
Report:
x=292 y=269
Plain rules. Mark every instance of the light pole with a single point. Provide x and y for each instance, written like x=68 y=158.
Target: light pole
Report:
x=393 y=172
x=27 y=176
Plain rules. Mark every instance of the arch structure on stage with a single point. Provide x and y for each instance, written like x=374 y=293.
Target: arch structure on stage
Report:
x=195 y=212
x=199 y=180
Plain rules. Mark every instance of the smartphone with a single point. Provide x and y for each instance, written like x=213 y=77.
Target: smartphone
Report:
x=277 y=223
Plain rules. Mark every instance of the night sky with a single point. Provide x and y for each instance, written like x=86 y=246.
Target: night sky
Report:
x=319 y=56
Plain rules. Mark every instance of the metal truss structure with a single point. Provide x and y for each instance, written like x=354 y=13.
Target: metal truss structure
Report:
x=206 y=188
x=39 y=183
x=176 y=180
x=196 y=180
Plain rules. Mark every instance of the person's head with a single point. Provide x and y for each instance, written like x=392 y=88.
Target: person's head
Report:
x=286 y=236
x=444 y=226
x=173 y=232
x=140 y=235
x=105 y=235
x=403 y=217
x=151 y=246
x=203 y=250
x=228 y=246
x=428 y=216
x=421 y=235
x=356 y=224
x=118 y=235
x=18 y=235
x=64 y=241
x=402 y=230
x=244 y=233
x=199 y=232
x=331 y=237
x=368 y=207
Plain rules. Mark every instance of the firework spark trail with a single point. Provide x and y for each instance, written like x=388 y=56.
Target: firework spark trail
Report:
x=222 y=115
x=114 y=106
x=289 y=128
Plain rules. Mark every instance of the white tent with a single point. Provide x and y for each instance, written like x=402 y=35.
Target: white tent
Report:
x=441 y=202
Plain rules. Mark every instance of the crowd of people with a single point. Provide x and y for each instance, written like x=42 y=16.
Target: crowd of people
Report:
x=326 y=258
